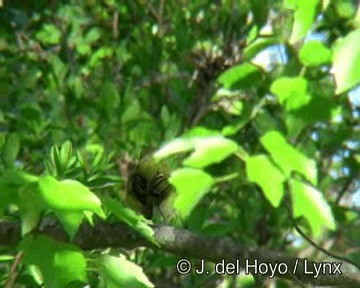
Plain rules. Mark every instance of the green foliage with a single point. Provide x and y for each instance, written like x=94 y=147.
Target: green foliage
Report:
x=314 y=53
x=258 y=168
x=136 y=221
x=69 y=200
x=346 y=69
x=60 y=264
x=119 y=272
x=309 y=202
x=191 y=185
x=288 y=158
x=253 y=104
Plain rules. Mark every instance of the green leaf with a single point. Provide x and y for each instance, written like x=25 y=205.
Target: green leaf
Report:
x=304 y=17
x=10 y=184
x=8 y=195
x=49 y=34
x=191 y=185
x=92 y=35
x=310 y=203
x=11 y=149
x=314 y=53
x=287 y=157
x=210 y=150
x=133 y=112
x=66 y=154
x=241 y=76
x=6 y=258
x=134 y=220
x=30 y=206
x=318 y=109
x=200 y=131
x=259 y=45
x=60 y=69
x=346 y=61
x=16 y=177
x=262 y=171
x=60 y=263
x=119 y=272
x=68 y=199
x=165 y=115
x=291 y=92
x=110 y=98
x=260 y=10
x=68 y=195
x=55 y=166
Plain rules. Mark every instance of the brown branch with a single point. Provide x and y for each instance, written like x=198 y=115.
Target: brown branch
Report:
x=190 y=245
x=14 y=274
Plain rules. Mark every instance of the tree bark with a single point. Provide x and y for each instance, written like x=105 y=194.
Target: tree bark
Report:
x=190 y=245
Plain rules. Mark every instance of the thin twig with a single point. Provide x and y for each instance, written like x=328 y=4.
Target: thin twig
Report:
x=307 y=238
x=343 y=191
x=13 y=274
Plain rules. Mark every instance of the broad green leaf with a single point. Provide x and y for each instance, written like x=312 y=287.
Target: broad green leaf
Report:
x=210 y=150
x=191 y=185
x=262 y=171
x=287 y=157
x=346 y=61
x=68 y=195
x=314 y=53
x=173 y=147
x=304 y=17
x=291 y=92
x=310 y=203
x=240 y=76
x=134 y=220
x=207 y=149
x=60 y=263
x=119 y=272
x=69 y=200
x=71 y=220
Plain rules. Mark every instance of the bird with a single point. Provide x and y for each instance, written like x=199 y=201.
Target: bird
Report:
x=148 y=185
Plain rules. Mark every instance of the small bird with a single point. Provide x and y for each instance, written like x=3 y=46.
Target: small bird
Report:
x=149 y=185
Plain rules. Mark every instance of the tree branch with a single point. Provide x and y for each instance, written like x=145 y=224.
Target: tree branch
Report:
x=188 y=244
